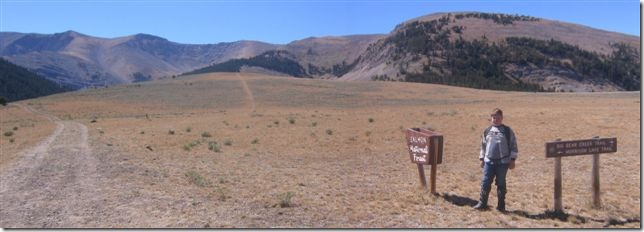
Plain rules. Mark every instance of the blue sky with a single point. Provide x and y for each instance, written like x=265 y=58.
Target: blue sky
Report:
x=282 y=21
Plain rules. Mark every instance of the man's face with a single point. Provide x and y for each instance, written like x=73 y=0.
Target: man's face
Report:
x=497 y=119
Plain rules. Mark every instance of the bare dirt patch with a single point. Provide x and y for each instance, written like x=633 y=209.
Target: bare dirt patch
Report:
x=53 y=184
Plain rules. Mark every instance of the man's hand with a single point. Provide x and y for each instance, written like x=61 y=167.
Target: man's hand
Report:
x=482 y=163
x=511 y=164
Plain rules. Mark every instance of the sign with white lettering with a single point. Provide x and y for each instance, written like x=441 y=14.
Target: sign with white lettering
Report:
x=581 y=147
x=423 y=145
x=593 y=146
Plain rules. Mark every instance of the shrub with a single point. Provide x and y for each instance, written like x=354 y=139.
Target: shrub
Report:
x=197 y=179
x=329 y=132
x=214 y=146
x=15 y=128
x=371 y=120
x=255 y=141
x=221 y=193
x=170 y=132
x=8 y=133
x=190 y=145
x=291 y=120
x=314 y=124
x=228 y=142
x=206 y=135
x=285 y=200
x=189 y=129
x=11 y=140
x=450 y=113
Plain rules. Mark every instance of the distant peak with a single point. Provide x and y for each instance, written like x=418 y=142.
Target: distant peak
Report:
x=71 y=33
x=142 y=36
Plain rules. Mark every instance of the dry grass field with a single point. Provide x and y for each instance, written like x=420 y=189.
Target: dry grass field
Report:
x=254 y=151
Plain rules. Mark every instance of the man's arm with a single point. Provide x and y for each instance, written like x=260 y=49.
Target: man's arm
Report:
x=514 y=149
x=482 y=152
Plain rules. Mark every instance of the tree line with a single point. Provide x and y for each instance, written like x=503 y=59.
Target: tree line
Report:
x=280 y=61
x=480 y=63
x=272 y=60
x=18 y=83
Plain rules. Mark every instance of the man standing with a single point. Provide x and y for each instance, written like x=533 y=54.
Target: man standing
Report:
x=498 y=154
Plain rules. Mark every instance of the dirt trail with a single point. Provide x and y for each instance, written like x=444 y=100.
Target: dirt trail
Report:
x=249 y=94
x=54 y=183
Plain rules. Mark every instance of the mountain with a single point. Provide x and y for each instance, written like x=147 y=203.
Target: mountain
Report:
x=331 y=56
x=79 y=60
x=470 y=49
x=507 y=52
x=17 y=83
x=314 y=57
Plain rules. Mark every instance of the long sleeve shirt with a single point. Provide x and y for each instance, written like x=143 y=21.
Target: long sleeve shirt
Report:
x=499 y=145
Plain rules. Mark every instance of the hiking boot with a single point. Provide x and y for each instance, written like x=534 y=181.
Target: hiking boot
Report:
x=482 y=204
x=501 y=204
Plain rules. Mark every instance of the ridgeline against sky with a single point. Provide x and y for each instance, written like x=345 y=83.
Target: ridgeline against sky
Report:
x=279 y=22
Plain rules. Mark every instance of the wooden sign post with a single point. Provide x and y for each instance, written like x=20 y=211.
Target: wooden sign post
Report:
x=425 y=147
x=593 y=146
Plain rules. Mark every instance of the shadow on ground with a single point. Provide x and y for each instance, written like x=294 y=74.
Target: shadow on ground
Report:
x=548 y=214
x=458 y=200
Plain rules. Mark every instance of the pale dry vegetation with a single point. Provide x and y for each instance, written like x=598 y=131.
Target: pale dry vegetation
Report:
x=25 y=128
x=297 y=174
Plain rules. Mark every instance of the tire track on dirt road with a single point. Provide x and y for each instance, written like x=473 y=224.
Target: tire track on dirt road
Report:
x=249 y=94
x=54 y=183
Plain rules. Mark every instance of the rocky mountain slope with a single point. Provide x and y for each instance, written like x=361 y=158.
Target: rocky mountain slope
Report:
x=497 y=51
x=470 y=49
x=322 y=57
x=78 y=60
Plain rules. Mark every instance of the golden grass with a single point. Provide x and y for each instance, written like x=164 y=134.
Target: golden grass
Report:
x=359 y=175
x=30 y=130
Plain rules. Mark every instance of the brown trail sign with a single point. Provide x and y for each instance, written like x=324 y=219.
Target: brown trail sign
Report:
x=581 y=147
x=425 y=148
x=594 y=146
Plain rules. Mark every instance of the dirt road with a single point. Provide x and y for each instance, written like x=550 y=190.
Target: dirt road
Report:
x=54 y=183
x=249 y=94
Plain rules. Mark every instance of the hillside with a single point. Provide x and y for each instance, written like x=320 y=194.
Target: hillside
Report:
x=18 y=83
x=79 y=60
x=323 y=57
x=469 y=49
x=505 y=52
x=277 y=61
x=240 y=150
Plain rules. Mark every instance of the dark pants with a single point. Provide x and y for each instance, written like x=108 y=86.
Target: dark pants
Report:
x=492 y=170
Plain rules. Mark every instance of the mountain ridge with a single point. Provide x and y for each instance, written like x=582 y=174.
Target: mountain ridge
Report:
x=79 y=60
x=426 y=46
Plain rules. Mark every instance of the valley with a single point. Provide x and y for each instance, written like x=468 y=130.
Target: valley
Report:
x=248 y=150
